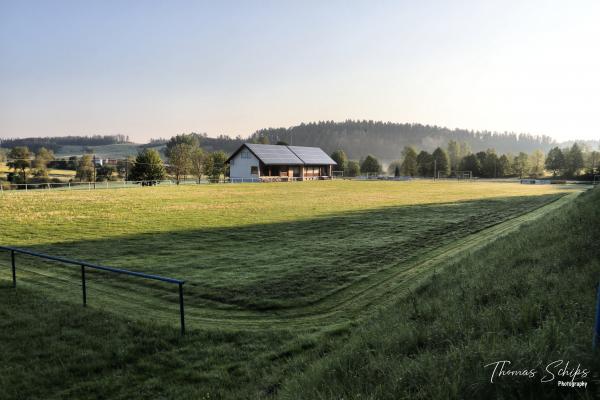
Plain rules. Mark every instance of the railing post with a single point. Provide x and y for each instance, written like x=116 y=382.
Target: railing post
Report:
x=14 y=268
x=596 y=340
x=83 y=288
x=181 y=313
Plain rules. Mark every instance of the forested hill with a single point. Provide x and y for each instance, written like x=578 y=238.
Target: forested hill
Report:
x=387 y=139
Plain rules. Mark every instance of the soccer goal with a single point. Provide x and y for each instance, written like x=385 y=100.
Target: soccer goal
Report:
x=338 y=174
x=463 y=175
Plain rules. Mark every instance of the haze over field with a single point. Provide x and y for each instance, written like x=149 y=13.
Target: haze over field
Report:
x=156 y=69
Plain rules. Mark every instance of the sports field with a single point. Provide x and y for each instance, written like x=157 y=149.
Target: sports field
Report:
x=279 y=277
x=301 y=255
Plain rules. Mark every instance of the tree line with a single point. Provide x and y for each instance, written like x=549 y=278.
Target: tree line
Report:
x=571 y=162
x=387 y=139
x=184 y=155
x=54 y=143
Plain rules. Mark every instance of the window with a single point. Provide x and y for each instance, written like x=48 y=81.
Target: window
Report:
x=254 y=170
x=245 y=154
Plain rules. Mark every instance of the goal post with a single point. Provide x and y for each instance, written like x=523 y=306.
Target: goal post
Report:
x=463 y=175
x=337 y=174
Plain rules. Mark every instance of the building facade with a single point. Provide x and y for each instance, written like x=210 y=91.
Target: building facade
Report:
x=264 y=162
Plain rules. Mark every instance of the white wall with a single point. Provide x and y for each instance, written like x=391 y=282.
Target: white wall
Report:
x=240 y=167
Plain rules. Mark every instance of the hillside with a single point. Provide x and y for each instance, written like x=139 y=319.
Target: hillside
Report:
x=385 y=140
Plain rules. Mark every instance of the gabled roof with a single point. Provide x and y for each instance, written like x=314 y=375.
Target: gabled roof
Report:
x=271 y=154
x=312 y=155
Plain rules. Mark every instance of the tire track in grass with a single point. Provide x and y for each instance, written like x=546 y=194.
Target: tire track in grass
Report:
x=339 y=309
x=355 y=302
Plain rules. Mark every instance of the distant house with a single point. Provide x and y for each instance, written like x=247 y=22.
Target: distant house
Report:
x=265 y=162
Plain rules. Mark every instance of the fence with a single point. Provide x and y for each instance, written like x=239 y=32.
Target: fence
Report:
x=4 y=187
x=83 y=265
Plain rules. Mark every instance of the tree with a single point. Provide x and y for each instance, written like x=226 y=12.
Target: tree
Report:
x=465 y=149
x=124 y=167
x=555 y=161
x=282 y=143
x=471 y=163
x=85 y=169
x=197 y=161
x=536 y=163
x=370 y=165
x=105 y=173
x=489 y=163
x=40 y=163
x=442 y=162
x=2 y=155
x=397 y=172
x=454 y=154
x=425 y=164
x=72 y=163
x=179 y=152
x=391 y=169
x=264 y=139
x=148 y=166
x=409 y=164
x=19 y=161
x=353 y=168
x=504 y=166
x=214 y=165
x=521 y=164
x=339 y=156
x=593 y=162
x=574 y=160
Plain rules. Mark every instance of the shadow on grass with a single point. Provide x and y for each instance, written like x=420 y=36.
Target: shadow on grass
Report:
x=288 y=264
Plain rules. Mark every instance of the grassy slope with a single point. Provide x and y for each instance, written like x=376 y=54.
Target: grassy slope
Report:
x=320 y=255
x=529 y=298
x=50 y=349
x=53 y=350
x=110 y=151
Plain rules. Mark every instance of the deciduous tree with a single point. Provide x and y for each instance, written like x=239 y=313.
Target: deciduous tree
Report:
x=179 y=152
x=441 y=160
x=555 y=161
x=148 y=167
x=425 y=164
x=353 y=168
x=340 y=157
x=370 y=165
x=19 y=160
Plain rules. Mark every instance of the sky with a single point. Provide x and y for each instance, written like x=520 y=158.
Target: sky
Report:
x=158 y=68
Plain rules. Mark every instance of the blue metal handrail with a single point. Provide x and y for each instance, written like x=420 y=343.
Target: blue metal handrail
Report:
x=84 y=265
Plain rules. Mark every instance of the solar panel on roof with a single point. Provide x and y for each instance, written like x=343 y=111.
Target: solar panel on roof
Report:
x=312 y=155
x=274 y=154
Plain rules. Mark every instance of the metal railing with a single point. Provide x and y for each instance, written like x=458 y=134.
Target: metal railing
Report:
x=83 y=265
x=26 y=187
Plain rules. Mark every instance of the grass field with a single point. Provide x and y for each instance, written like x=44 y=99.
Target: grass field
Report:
x=53 y=173
x=252 y=251
x=278 y=275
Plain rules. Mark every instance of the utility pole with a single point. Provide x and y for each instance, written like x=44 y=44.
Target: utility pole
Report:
x=94 y=164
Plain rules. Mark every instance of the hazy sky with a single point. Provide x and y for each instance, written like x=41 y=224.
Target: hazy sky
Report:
x=158 y=68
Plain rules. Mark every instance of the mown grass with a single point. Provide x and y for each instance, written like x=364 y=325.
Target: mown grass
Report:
x=529 y=298
x=525 y=297
x=261 y=247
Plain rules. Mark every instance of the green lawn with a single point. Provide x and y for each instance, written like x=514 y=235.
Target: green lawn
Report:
x=250 y=251
x=278 y=276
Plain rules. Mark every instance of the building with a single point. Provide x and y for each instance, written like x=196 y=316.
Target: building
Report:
x=265 y=162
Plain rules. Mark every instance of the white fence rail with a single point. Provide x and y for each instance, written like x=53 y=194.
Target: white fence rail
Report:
x=11 y=187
